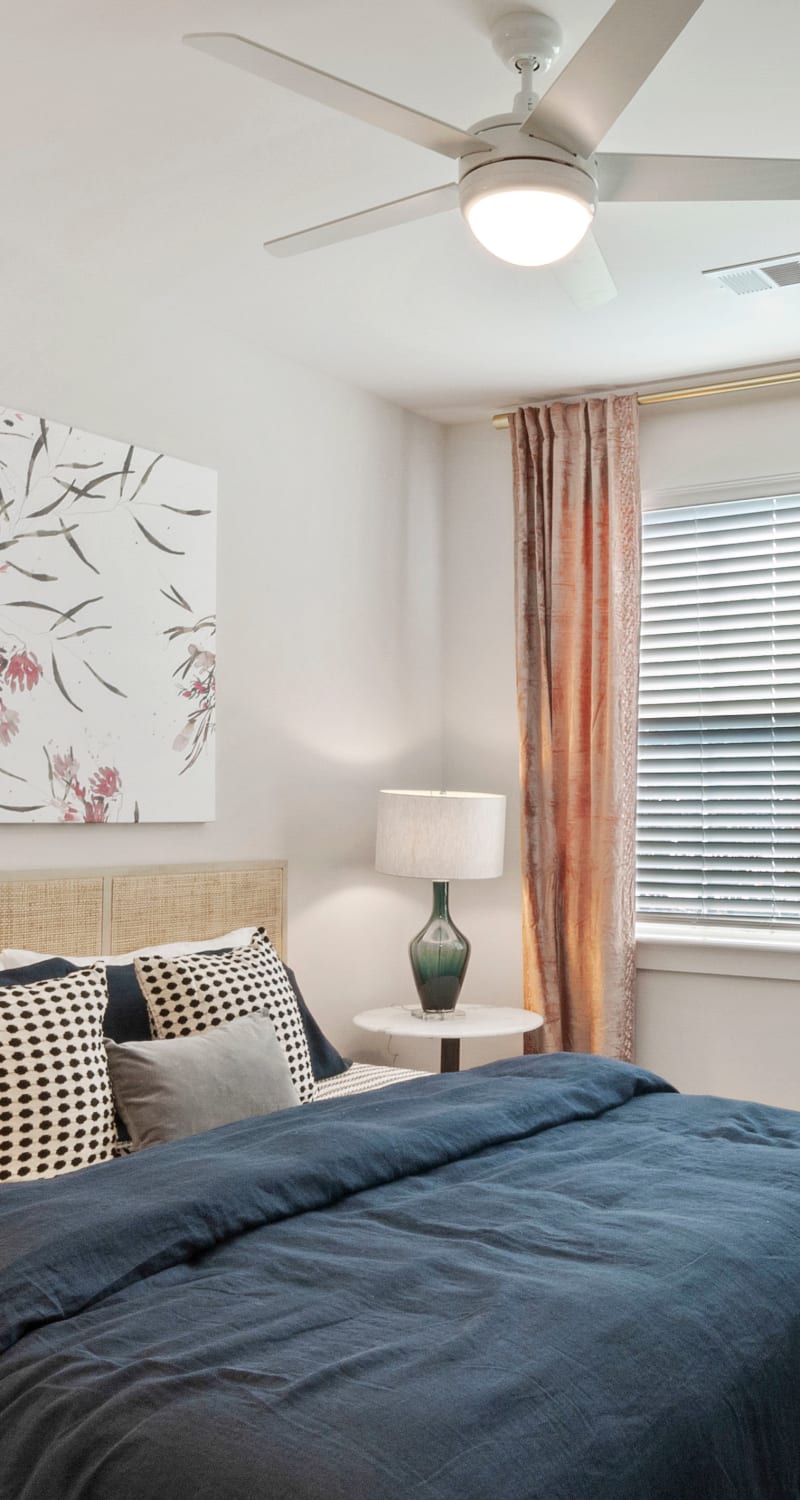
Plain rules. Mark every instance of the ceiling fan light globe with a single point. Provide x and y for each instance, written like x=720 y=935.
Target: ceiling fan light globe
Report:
x=528 y=227
x=528 y=212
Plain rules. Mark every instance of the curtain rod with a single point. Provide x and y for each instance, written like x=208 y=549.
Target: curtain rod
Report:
x=687 y=393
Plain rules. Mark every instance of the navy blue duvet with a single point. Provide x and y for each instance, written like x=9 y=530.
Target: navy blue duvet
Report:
x=548 y=1279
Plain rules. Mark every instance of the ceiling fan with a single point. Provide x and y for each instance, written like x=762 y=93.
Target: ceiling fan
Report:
x=529 y=181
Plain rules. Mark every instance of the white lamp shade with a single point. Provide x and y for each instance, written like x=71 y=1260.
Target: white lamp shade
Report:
x=441 y=835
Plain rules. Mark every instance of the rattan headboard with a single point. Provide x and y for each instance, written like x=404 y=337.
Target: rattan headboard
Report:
x=113 y=911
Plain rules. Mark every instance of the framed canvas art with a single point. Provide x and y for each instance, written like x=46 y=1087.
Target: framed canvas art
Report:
x=107 y=629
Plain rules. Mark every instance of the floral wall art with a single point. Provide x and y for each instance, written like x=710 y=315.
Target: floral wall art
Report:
x=107 y=629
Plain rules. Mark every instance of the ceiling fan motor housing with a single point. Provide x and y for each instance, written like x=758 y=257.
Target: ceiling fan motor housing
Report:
x=515 y=161
x=506 y=142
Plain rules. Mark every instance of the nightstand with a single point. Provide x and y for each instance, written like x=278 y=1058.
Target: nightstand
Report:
x=475 y=1020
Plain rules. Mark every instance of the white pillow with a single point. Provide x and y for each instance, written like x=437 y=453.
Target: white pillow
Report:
x=20 y=958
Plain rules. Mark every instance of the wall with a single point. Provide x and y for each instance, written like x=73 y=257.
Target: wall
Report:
x=329 y=607
x=711 y=1019
x=480 y=705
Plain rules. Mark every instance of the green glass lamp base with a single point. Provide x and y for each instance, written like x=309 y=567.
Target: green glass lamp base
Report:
x=439 y=956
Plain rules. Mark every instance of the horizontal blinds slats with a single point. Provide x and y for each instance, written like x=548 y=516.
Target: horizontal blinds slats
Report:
x=721 y=564
x=688 y=546
x=710 y=705
x=692 y=538
x=738 y=589
x=719 y=737
x=754 y=646
x=725 y=616
x=725 y=516
x=752 y=672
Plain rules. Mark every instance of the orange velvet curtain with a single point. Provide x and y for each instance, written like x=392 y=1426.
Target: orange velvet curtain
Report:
x=578 y=567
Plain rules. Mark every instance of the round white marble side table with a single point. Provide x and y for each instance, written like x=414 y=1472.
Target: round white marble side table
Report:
x=472 y=1020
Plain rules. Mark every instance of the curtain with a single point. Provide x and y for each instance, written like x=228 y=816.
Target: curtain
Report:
x=577 y=591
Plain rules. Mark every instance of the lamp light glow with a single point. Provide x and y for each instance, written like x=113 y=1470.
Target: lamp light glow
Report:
x=527 y=211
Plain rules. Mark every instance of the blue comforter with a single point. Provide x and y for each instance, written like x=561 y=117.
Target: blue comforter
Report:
x=548 y=1279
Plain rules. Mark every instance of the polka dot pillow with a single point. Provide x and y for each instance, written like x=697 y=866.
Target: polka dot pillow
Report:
x=189 y=993
x=56 y=1110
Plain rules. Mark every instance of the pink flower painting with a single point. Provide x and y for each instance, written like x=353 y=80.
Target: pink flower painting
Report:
x=106 y=782
x=22 y=671
x=104 y=662
x=77 y=803
x=9 y=724
x=19 y=672
x=65 y=766
x=198 y=672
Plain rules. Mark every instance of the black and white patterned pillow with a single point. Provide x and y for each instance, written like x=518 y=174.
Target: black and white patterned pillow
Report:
x=191 y=992
x=56 y=1110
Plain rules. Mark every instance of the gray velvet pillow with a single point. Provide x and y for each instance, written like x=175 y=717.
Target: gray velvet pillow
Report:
x=168 y=1089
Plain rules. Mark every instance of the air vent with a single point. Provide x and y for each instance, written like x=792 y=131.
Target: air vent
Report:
x=784 y=272
x=758 y=275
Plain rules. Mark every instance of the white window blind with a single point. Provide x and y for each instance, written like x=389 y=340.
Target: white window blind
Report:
x=719 y=716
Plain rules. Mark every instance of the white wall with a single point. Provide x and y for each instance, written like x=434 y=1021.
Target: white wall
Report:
x=480 y=704
x=720 y=438
x=329 y=616
x=734 y=1032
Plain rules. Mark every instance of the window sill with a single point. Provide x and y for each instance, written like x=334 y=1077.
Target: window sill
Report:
x=746 y=952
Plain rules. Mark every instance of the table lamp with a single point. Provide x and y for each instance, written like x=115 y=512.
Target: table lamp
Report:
x=440 y=836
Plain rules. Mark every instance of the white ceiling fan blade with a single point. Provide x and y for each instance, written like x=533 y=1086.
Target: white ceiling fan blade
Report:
x=336 y=93
x=611 y=66
x=690 y=179
x=585 y=276
x=385 y=216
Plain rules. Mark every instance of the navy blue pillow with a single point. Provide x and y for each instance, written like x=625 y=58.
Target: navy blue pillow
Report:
x=326 y=1062
x=126 y=1019
x=47 y=968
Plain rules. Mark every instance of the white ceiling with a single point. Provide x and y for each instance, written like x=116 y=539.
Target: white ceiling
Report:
x=140 y=171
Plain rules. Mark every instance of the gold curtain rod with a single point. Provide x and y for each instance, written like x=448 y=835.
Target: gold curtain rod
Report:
x=687 y=393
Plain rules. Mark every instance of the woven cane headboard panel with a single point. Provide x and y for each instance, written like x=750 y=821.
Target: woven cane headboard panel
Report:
x=113 y=911
x=52 y=913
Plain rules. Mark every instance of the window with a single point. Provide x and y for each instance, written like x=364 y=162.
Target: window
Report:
x=719 y=717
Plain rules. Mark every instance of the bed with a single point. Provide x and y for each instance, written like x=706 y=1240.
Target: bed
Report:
x=552 y=1278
